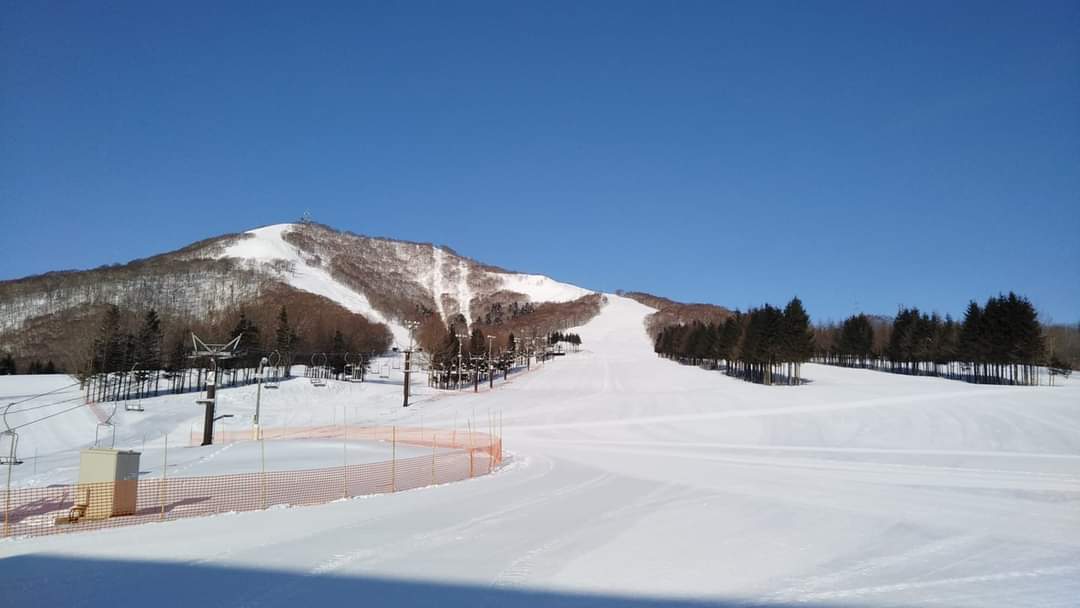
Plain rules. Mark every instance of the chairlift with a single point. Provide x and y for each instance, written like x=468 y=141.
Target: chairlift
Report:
x=318 y=370
x=353 y=369
x=107 y=426
x=136 y=404
x=274 y=363
x=9 y=439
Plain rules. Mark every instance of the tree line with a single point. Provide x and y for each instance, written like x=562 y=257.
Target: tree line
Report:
x=1000 y=342
x=764 y=345
x=572 y=339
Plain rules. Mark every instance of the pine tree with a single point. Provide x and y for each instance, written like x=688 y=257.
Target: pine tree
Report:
x=856 y=341
x=109 y=345
x=971 y=343
x=148 y=343
x=338 y=349
x=476 y=342
x=285 y=340
x=178 y=355
x=798 y=337
x=248 y=332
x=7 y=365
x=284 y=335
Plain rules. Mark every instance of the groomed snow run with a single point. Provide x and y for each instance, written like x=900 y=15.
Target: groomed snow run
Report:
x=634 y=481
x=540 y=288
x=267 y=245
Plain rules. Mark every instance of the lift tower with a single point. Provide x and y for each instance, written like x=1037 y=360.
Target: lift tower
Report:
x=215 y=353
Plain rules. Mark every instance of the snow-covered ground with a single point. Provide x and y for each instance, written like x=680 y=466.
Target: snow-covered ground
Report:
x=633 y=481
x=169 y=427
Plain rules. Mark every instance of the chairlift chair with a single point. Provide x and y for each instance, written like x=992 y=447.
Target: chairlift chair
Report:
x=9 y=448
x=9 y=439
x=318 y=370
x=274 y=363
x=106 y=425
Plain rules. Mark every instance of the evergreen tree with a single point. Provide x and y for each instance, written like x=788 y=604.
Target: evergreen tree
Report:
x=798 y=338
x=178 y=355
x=249 y=332
x=148 y=343
x=856 y=340
x=109 y=345
x=972 y=340
x=7 y=365
x=285 y=340
x=283 y=337
x=337 y=359
x=477 y=345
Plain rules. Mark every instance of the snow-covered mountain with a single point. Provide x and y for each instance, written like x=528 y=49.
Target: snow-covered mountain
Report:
x=385 y=280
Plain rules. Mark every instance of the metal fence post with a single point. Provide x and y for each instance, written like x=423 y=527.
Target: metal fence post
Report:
x=344 y=454
x=164 y=477
x=262 y=471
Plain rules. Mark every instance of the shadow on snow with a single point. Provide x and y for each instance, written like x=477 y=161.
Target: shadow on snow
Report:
x=54 y=580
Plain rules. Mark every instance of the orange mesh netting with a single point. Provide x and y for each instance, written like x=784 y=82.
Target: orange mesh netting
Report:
x=455 y=455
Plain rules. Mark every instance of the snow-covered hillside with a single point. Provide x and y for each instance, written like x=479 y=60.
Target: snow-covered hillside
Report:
x=634 y=481
x=423 y=272
x=385 y=280
x=265 y=247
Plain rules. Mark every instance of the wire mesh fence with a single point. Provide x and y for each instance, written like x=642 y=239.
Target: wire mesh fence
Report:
x=455 y=455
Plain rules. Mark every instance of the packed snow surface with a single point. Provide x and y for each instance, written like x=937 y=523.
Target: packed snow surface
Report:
x=634 y=481
x=542 y=289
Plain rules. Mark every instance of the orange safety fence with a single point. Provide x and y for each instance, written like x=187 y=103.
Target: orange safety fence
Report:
x=455 y=456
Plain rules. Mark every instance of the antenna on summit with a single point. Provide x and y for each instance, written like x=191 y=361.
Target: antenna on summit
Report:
x=306 y=218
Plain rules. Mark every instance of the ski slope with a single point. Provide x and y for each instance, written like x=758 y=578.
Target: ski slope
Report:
x=633 y=481
x=266 y=246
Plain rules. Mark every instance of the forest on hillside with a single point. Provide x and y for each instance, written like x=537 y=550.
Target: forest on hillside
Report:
x=766 y=345
x=998 y=342
x=109 y=338
x=511 y=329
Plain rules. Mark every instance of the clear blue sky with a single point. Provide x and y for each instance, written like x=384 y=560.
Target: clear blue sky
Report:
x=860 y=155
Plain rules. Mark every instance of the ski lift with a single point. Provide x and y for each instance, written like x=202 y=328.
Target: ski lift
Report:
x=107 y=426
x=274 y=363
x=9 y=439
x=318 y=369
x=135 y=405
x=354 y=370
x=349 y=370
